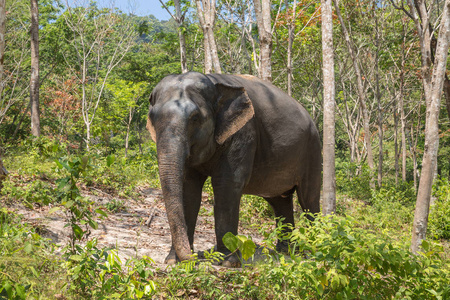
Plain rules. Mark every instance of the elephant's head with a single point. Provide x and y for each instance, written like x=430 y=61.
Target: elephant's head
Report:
x=189 y=117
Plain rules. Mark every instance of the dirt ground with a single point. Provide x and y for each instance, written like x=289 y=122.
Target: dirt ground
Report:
x=140 y=229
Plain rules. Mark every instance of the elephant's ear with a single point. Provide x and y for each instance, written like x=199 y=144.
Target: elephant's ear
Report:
x=233 y=110
x=149 y=125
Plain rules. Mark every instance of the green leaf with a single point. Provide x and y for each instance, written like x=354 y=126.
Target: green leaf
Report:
x=110 y=160
x=28 y=248
x=248 y=249
x=76 y=257
x=9 y=289
x=20 y=291
x=231 y=241
x=77 y=231
x=101 y=212
x=53 y=209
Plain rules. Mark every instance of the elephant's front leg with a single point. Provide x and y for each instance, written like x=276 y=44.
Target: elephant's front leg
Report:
x=227 y=197
x=192 y=198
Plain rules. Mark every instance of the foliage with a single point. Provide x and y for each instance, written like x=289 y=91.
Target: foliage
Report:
x=98 y=274
x=28 y=265
x=79 y=209
x=439 y=218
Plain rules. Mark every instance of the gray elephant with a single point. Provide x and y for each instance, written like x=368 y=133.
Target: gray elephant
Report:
x=245 y=133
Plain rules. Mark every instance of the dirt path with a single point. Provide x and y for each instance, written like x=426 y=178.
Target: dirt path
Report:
x=141 y=229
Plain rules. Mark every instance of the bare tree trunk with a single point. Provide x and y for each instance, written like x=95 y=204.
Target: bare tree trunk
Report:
x=206 y=11
x=179 y=19
x=34 y=80
x=433 y=81
x=378 y=95
x=402 y=123
x=2 y=43
x=291 y=29
x=263 y=18
x=361 y=94
x=396 y=142
x=329 y=175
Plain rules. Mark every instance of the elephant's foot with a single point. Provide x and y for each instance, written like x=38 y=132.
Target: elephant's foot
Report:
x=172 y=258
x=282 y=247
x=231 y=261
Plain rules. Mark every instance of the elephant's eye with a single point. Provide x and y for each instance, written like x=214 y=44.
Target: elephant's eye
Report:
x=195 y=117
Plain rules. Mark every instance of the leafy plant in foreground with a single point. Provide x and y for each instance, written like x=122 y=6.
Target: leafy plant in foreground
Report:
x=78 y=209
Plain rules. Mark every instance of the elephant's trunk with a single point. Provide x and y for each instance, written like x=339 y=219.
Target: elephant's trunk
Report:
x=171 y=158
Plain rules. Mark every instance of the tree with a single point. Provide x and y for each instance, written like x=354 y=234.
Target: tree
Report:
x=179 y=19
x=206 y=11
x=99 y=39
x=34 y=79
x=263 y=19
x=433 y=82
x=361 y=92
x=329 y=176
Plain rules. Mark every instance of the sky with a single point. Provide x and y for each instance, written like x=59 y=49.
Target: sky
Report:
x=143 y=8
x=138 y=7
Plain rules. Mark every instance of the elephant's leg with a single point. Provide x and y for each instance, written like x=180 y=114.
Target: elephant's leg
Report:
x=308 y=190
x=283 y=208
x=192 y=198
x=227 y=197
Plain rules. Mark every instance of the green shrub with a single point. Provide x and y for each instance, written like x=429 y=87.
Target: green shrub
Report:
x=36 y=192
x=28 y=267
x=353 y=180
x=439 y=218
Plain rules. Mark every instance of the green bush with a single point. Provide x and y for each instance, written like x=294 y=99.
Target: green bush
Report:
x=353 y=180
x=28 y=267
x=36 y=192
x=439 y=218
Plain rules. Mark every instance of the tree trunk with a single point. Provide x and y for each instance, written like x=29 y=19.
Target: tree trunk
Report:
x=291 y=29
x=206 y=12
x=181 y=36
x=34 y=80
x=2 y=43
x=329 y=176
x=380 y=111
x=263 y=18
x=361 y=94
x=433 y=81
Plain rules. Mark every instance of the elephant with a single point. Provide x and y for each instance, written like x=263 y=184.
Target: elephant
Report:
x=247 y=135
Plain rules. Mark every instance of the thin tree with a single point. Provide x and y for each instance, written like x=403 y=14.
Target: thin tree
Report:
x=433 y=82
x=361 y=92
x=34 y=80
x=106 y=35
x=179 y=19
x=2 y=42
x=206 y=11
x=329 y=175
x=263 y=19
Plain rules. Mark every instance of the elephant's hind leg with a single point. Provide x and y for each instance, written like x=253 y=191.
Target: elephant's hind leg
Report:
x=283 y=208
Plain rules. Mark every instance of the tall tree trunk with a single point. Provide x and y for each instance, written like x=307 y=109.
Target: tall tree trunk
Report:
x=2 y=43
x=402 y=123
x=329 y=175
x=433 y=81
x=181 y=36
x=263 y=19
x=179 y=19
x=34 y=80
x=396 y=141
x=361 y=93
x=206 y=12
x=378 y=95
x=291 y=30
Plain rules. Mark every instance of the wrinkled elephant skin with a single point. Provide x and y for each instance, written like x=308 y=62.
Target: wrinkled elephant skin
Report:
x=245 y=133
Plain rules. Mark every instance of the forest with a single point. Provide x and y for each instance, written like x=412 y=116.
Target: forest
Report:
x=76 y=157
